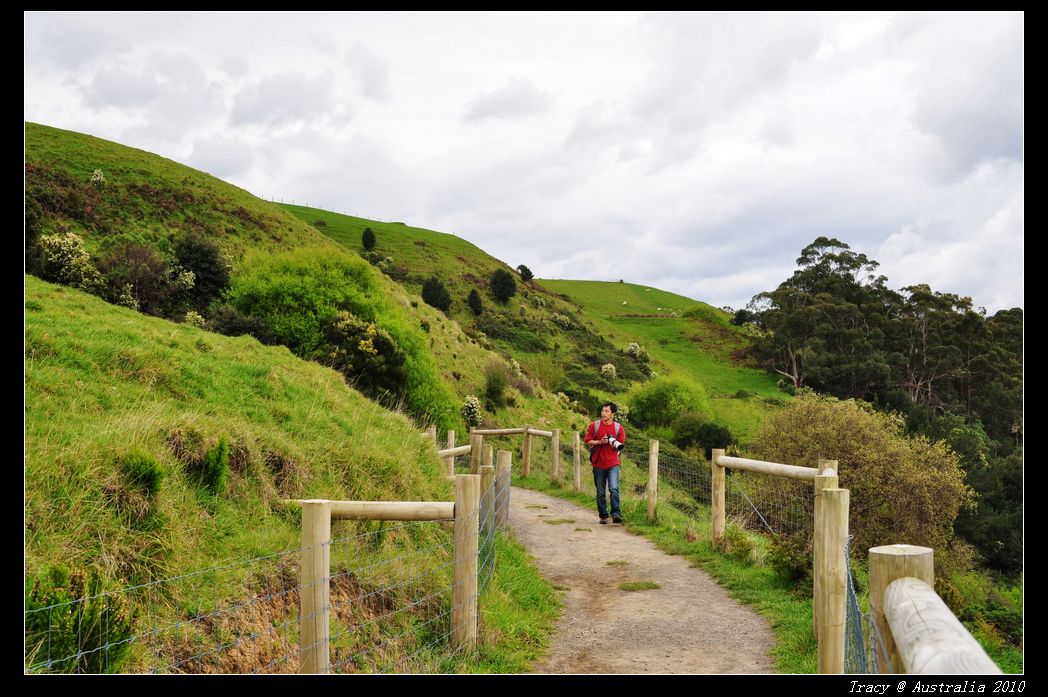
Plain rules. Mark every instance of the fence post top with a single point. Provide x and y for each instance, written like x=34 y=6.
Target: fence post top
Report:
x=901 y=550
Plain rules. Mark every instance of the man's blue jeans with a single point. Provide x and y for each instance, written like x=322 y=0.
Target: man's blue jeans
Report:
x=609 y=479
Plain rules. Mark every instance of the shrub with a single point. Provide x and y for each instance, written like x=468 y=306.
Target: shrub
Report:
x=210 y=269
x=368 y=356
x=791 y=557
x=195 y=319
x=562 y=321
x=435 y=294
x=476 y=305
x=736 y=543
x=608 y=372
x=142 y=472
x=61 y=258
x=211 y=471
x=471 y=411
x=661 y=401
x=71 y=626
x=637 y=351
x=711 y=435
x=156 y=285
x=686 y=428
x=903 y=489
x=367 y=239
x=496 y=379
x=525 y=273
x=503 y=286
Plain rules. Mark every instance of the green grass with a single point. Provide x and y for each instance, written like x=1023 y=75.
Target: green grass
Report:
x=631 y=586
x=145 y=196
x=684 y=337
x=104 y=383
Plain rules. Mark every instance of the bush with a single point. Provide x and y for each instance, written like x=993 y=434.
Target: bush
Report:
x=903 y=490
x=62 y=259
x=211 y=471
x=71 y=626
x=711 y=435
x=435 y=294
x=142 y=472
x=525 y=273
x=661 y=401
x=368 y=356
x=138 y=275
x=736 y=543
x=637 y=351
x=367 y=239
x=476 y=305
x=471 y=411
x=686 y=429
x=228 y=320
x=562 y=321
x=210 y=269
x=791 y=557
x=496 y=380
x=503 y=286
x=608 y=372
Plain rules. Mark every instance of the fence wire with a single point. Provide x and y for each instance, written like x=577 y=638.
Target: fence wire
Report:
x=390 y=608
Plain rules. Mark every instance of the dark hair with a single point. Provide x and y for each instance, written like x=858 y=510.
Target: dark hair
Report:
x=614 y=409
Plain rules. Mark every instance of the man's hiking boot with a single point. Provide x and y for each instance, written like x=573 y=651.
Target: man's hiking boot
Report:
x=616 y=519
x=603 y=521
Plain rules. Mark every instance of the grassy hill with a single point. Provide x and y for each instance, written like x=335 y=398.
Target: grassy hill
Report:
x=686 y=337
x=111 y=393
x=683 y=336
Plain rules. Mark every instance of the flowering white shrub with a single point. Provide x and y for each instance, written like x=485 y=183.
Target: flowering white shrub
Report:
x=608 y=371
x=64 y=260
x=97 y=178
x=195 y=319
x=471 y=410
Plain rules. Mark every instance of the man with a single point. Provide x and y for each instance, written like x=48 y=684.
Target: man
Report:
x=605 y=438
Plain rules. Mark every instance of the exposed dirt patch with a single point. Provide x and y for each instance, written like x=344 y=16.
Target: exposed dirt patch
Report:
x=688 y=625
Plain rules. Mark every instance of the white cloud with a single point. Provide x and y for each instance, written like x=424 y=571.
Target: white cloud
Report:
x=707 y=148
x=518 y=98
x=277 y=100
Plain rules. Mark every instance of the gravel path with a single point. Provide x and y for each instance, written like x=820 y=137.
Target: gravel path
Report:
x=689 y=625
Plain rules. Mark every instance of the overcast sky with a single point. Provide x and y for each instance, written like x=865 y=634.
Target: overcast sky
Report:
x=698 y=153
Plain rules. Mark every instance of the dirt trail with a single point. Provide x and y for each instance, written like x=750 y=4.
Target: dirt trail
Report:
x=689 y=625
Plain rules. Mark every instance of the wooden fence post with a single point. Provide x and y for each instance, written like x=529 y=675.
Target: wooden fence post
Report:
x=826 y=479
x=503 y=479
x=476 y=444
x=467 y=538
x=451 y=458
x=888 y=563
x=577 y=454
x=555 y=463
x=653 y=478
x=717 y=495
x=833 y=573
x=526 y=467
x=315 y=592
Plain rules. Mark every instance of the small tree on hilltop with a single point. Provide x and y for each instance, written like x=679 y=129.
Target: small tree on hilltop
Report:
x=368 y=239
x=503 y=286
x=525 y=273
x=436 y=294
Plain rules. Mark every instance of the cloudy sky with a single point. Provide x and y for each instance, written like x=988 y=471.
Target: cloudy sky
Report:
x=698 y=153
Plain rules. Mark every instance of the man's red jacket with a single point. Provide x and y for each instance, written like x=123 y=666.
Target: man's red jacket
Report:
x=606 y=456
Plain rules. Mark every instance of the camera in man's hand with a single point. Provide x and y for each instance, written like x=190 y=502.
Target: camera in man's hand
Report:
x=614 y=442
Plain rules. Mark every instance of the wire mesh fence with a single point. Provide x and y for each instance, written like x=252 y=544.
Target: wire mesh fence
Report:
x=389 y=607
